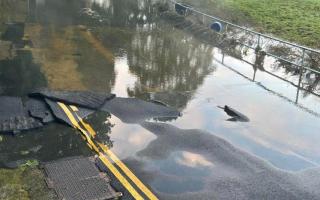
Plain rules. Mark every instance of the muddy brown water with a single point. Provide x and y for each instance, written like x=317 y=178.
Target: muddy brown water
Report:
x=124 y=47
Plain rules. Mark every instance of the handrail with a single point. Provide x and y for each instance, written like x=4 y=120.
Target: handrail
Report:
x=299 y=62
x=247 y=29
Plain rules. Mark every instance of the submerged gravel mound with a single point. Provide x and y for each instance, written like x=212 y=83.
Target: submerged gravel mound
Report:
x=237 y=174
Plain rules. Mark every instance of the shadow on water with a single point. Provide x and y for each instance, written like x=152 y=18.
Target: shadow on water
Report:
x=19 y=76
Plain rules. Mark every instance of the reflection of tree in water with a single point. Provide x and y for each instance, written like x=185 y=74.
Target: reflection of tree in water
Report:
x=288 y=54
x=233 y=47
x=111 y=12
x=59 y=12
x=120 y=18
x=101 y=123
x=125 y=12
x=12 y=10
x=164 y=62
x=311 y=79
x=168 y=62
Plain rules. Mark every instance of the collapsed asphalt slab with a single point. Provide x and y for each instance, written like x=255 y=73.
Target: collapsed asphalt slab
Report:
x=14 y=118
x=234 y=174
x=84 y=99
x=132 y=110
x=42 y=107
x=37 y=108
x=62 y=117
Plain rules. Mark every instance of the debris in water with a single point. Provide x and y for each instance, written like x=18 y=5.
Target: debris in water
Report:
x=234 y=114
x=36 y=148
x=24 y=152
x=216 y=26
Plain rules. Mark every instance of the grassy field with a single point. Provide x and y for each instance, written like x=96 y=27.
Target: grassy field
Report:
x=293 y=20
x=23 y=183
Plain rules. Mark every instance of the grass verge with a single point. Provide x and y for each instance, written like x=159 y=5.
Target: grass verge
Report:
x=24 y=183
x=294 y=20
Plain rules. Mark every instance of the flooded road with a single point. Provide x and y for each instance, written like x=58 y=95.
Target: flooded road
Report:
x=126 y=48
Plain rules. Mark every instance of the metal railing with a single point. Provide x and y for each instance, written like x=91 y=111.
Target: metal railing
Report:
x=296 y=101
x=260 y=37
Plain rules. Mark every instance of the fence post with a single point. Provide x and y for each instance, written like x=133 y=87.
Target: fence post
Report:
x=301 y=73
x=223 y=58
x=258 y=48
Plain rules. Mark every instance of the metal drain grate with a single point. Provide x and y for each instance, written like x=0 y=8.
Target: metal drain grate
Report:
x=78 y=178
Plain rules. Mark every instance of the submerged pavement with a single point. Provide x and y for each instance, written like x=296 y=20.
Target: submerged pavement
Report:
x=230 y=173
x=71 y=108
x=132 y=53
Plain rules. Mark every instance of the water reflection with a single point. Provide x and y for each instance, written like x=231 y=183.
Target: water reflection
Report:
x=124 y=79
x=177 y=176
x=230 y=42
x=44 y=144
x=20 y=75
x=124 y=12
x=162 y=62
x=193 y=160
x=279 y=141
x=168 y=62
x=133 y=53
x=132 y=137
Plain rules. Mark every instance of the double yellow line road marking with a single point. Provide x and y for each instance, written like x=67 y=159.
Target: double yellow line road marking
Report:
x=105 y=155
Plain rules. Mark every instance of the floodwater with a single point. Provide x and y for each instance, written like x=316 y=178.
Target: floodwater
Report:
x=124 y=47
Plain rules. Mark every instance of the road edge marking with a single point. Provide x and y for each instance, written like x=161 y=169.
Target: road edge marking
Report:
x=102 y=157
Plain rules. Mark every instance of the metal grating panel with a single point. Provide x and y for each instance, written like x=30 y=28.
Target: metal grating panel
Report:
x=79 y=179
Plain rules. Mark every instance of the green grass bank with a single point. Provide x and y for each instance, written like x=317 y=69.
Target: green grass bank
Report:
x=294 y=20
x=24 y=183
